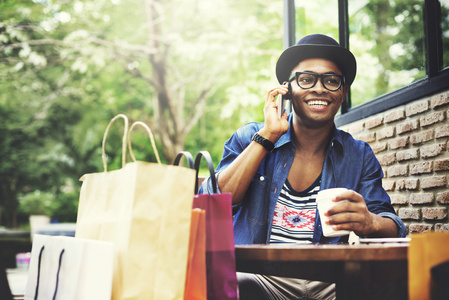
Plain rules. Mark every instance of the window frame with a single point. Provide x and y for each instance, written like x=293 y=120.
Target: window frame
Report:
x=437 y=79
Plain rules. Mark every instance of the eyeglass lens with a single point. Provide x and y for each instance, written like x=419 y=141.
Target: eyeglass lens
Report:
x=308 y=80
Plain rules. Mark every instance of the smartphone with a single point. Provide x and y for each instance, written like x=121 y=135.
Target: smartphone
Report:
x=281 y=101
x=281 y=106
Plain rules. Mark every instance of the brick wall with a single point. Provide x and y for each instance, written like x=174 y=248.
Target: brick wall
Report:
x=411 y=143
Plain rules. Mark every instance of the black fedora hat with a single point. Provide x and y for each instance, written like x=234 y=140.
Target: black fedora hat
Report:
x=316 y=46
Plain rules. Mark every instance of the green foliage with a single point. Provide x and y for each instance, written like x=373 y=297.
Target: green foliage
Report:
x=37 y=203
x=387 y=37
x=445 y=31
x=65 y=207
x=62 y=207
x=68 y=67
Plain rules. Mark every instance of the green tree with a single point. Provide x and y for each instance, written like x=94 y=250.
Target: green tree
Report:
x=193 y=70
x=392 y=33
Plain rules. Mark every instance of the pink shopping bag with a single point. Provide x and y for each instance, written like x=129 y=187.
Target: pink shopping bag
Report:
x=220 y=248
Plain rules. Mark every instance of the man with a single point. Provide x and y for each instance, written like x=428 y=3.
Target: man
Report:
x=275 y=169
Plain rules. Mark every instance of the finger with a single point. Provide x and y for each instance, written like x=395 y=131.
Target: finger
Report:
x=358 y=227
x=341 y=206
x=280 y=90
x=345 y=224
x=349 y=195
x=284 y=115
x=343 y=218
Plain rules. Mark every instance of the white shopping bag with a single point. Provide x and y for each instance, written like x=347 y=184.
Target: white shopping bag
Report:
x=69 y=268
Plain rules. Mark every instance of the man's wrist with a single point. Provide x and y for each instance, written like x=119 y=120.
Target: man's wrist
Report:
x=266 y=143
x=272 y=137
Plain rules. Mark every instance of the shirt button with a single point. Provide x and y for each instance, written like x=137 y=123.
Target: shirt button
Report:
x=262 y=178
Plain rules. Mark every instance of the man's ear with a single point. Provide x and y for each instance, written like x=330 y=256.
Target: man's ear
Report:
x=345 y=90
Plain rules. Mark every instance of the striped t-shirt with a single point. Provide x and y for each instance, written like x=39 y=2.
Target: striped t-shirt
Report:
x=294 y=215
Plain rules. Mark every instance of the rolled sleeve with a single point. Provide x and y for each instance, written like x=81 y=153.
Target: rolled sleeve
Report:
x=402 y=231
x=207 y=188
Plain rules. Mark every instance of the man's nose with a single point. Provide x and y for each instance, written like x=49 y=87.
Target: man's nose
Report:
x=319 y=86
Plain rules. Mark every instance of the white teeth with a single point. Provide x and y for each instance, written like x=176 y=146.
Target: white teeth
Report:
x=318 y=103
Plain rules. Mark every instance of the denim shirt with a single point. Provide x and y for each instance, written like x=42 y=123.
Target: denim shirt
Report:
x=349 y=163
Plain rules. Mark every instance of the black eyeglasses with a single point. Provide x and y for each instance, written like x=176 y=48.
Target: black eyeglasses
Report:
x=307 y=80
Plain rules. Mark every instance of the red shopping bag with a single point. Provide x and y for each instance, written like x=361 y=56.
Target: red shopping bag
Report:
x=220 y=248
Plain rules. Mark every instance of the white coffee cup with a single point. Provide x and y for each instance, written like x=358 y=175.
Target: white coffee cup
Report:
x=324 y=203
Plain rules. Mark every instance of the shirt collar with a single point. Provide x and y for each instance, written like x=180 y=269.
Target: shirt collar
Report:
x=286 y=137
x=336 y=139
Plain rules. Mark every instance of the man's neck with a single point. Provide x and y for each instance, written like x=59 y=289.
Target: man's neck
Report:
x=311 y=140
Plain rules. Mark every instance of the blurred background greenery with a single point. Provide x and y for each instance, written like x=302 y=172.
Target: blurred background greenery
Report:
x=193 y=70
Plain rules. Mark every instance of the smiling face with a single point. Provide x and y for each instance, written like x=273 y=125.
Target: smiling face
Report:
x=316 y=107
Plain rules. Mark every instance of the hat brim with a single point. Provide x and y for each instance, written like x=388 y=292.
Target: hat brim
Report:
x=292 y=56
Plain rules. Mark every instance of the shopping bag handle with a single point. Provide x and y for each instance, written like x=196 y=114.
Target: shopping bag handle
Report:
x=210 y=164
x=57 y=274
x=103 y=145
x=36 y=293
x=150 y=135
x=187 y=155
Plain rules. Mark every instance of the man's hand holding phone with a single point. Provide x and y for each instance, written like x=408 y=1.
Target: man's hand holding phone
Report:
x=276 y=123
x=281 y=101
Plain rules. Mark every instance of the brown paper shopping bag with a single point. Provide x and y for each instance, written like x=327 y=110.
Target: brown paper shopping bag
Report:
x=426 y=251
x=145 y=210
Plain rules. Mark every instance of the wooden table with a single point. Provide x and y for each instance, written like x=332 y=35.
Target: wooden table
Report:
x=355 y=269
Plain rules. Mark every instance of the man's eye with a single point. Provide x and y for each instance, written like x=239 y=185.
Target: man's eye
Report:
x=332 y=80
x=306 y=79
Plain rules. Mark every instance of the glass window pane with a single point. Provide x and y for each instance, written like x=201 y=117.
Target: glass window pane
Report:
x=387 y=38
x=319 y=16
x=445 y=31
